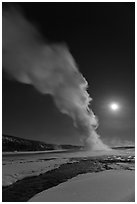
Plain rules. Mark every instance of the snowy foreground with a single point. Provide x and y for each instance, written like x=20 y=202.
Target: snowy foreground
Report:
x=112 y=186
x=17 y=170
x=69 y=176
x=16 y=166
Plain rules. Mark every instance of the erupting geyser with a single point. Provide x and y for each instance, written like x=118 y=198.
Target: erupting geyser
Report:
x=51 y=69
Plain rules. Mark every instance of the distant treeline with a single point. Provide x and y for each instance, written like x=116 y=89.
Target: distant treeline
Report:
x=12 y=143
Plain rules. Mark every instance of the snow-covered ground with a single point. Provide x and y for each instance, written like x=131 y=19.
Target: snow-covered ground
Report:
x=17 y=166
x=113 y=180
x=107 y=186
x=19 y=169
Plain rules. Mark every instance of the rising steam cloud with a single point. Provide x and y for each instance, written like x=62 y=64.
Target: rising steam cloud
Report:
x=51 y=69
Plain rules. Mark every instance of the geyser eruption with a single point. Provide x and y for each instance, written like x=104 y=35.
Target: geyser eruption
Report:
x=51 y=69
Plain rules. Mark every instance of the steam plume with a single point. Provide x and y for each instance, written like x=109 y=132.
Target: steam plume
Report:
x=51 y=69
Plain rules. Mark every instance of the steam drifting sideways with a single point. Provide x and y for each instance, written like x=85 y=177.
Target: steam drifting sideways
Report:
x=51 y=69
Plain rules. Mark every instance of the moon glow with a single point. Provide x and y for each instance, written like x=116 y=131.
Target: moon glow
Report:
x=114 y=106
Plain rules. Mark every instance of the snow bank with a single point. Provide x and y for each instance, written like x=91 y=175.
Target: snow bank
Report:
x=108 y=186
x=17 y=166
x=17 y=170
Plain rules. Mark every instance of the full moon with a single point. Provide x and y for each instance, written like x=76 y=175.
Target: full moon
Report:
x=114 y=106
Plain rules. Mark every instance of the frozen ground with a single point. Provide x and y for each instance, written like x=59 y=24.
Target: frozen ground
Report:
x=112 y=186
x=28 y=174
x=17 y=166
x=19 y=169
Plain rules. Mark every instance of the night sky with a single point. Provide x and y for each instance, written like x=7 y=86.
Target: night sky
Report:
x=100 y=36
